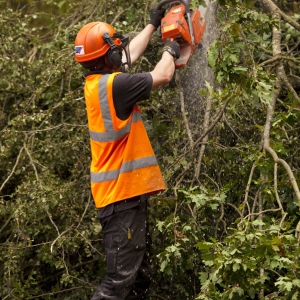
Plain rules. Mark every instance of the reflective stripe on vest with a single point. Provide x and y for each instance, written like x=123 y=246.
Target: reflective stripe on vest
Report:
x=126 y=167
x=111 y=135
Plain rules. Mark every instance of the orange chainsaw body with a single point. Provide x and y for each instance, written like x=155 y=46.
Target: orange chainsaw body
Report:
x=175 y=26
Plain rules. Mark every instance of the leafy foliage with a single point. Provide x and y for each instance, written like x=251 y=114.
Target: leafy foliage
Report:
x=224 y=229
x=251 y=260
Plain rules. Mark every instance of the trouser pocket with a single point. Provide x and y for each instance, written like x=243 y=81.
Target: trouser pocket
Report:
x=111 y=252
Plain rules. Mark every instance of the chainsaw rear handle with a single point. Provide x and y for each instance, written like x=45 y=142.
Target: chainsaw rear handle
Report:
x=186 y=3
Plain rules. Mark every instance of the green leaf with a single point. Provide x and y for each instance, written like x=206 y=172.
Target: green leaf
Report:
x=235 y=267
x=258 y=223
x=203 y=277
x=204 y=245
x=296 y=282
x=289 y=286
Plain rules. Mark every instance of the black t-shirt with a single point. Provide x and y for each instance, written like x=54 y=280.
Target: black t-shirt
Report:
x=128 y=89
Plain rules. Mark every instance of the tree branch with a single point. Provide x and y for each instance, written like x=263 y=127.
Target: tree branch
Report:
x=248 y=186
x=217 y=119
x=205 y=139
x=183 y=111
x=272 y=8
x=13 y=170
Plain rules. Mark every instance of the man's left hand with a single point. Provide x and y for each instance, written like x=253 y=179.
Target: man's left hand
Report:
x=155 y=16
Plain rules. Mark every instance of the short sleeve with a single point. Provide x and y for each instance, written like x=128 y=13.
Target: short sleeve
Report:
x=128 y=89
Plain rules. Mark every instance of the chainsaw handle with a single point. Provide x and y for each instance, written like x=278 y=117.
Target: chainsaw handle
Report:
x=185 y=2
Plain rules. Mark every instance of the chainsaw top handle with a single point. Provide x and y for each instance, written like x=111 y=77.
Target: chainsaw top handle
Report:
x=185 y=2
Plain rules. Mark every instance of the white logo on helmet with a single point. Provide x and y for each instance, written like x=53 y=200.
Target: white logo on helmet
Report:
x=79 y=50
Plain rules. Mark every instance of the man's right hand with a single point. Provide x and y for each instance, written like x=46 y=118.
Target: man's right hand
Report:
x=173 y=48
x=165 y=68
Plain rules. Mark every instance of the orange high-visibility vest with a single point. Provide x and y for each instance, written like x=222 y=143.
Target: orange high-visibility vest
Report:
x=123 y=162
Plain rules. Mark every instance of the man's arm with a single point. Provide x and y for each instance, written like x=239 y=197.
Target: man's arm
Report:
x=139 y=43
x=163 y=71
x=165 y=68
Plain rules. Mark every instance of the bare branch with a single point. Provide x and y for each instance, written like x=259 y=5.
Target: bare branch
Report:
x=248 y=186
x=205 y=128
x=217 y=119
x=89 y=243
x=13 y=169
x=276 y=190
x=272 y=8
x=211 y=127
x=230 y=204
x=284 y=214
x=289 y=20
x=58 y=292
x=6 y=223
x=183 y=111
x=266 y=137
x=85 y=210
x=32 y=163
x=287 y=83
x=58 y=237
x=262 y=212
x=221 y=220
x=288 y=170
x=270 y=61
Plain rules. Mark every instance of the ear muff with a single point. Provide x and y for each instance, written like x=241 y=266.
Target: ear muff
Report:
x=113 y=57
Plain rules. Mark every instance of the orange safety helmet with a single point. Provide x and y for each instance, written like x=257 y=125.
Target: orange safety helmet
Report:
x=89 y=42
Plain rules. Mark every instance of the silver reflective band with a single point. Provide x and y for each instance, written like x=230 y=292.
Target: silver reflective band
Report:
x=111 y=136
x=126 y=167
x=138 y=164
x=102 y=91
x=104 y=176
x=136 y=117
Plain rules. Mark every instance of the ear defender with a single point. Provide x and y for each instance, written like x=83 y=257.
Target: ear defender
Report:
x=114 y=55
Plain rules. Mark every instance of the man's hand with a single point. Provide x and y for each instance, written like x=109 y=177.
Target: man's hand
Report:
x=155 y=16
x=173 y=48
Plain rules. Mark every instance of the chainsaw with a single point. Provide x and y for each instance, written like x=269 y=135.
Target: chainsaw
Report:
x=183 y=25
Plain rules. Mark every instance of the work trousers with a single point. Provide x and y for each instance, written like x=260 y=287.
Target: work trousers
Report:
x=125 y=236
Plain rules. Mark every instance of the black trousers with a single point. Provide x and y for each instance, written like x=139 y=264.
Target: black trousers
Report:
x=125 y=235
